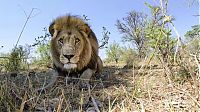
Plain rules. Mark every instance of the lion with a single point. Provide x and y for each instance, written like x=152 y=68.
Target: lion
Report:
x=74 y=48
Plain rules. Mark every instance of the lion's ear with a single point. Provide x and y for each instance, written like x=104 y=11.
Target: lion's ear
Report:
x=87 y=29
x=51 y=28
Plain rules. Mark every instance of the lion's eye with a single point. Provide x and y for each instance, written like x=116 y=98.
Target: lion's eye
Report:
x=60 y=41
x=77 y=40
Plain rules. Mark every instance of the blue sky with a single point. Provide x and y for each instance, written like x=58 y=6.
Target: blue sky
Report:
x=100 y=12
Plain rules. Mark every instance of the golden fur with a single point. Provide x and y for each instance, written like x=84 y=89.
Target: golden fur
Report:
x=74 y=47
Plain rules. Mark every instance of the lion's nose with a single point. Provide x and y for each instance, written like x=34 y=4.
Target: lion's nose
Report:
x=68 y=56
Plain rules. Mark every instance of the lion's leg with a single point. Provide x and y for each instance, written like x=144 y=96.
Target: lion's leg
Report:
x=99 y=65
x=85 y=77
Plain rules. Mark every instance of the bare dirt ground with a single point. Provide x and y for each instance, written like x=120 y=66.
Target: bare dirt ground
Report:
x=114 y=90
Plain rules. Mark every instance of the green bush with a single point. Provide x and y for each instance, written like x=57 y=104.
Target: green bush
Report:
x=129 y=56
x=42 y=44
x=16 y=60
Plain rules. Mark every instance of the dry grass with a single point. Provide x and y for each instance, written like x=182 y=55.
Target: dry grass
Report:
x=116 y=90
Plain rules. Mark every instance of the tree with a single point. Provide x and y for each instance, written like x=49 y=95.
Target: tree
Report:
x=113 y=52
x=133 y=29
x=193 y=39
x=159 y=34
x=194 y=33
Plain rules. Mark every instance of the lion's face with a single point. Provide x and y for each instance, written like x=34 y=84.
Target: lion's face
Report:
x=70 y=45
x=73 y=45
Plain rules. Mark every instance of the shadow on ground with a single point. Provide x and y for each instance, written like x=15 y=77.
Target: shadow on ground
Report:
x=21 y=87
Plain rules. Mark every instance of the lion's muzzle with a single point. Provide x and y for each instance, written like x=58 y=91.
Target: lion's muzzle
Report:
x=68 y=56
x=70 y=66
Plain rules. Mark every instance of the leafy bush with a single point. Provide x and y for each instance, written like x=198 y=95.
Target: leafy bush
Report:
x=42 y=44
x=113 y=52
x=193 y=40
x=129 y=56
x=16 y=60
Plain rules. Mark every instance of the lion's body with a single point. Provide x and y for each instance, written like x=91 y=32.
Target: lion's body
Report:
x=74 y=47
